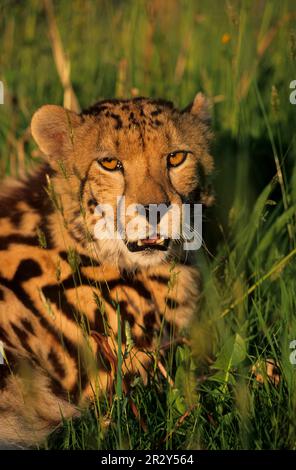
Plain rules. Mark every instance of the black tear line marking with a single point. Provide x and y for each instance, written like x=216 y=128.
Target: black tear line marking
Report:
x=83 y=181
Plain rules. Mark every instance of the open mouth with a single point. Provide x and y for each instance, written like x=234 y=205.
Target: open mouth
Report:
x=149 y=244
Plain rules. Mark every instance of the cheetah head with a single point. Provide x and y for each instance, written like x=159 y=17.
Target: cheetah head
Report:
x=127 y=164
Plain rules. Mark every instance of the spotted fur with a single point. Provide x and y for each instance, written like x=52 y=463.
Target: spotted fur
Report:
x=62 y=292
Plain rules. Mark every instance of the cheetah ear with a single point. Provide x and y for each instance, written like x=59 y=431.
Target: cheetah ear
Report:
x=53 y=129
x=201 y=108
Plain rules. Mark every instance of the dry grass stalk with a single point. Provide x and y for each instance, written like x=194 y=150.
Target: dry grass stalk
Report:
x=61 y=61
x=262 y=46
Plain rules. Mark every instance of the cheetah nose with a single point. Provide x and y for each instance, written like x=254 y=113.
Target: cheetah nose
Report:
x=159 y=211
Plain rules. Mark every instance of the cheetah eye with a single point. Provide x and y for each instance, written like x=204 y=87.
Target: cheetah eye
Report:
x=176 y=158
x=110 y=164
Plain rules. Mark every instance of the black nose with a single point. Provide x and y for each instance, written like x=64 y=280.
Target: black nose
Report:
x=149 y=208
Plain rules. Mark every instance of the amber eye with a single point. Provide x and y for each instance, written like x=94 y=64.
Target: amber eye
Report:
x=110 y=164
x=176 y=158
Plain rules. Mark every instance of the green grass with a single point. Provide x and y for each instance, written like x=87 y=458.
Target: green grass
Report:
x=172 y=49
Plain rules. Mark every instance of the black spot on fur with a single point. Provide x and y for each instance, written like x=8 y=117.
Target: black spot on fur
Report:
x=163 y=103
x=16 y=218
x=140 y=101
x=94 y=110
x=125 y=314
x=100 y=321
x=149 y=320
x=105 y=288
x=5 y=242
x=161 y=279
x=145 y=340
x=56 y=295
x=64 y=255
x=33 y=193
x=138 y=286
x=22 y=336
x=156 y=112
x=1 y=295
x=118 y=120
x=26 y=300
x=129 y=275
x=56 y=363
x=92 y=202
x=172 y=303
x=4 y=337
x=57 y=389
x=86 y=261
x=27 y=269
x=27 y=325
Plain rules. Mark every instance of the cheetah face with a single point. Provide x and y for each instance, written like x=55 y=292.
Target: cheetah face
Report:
x=124 y=170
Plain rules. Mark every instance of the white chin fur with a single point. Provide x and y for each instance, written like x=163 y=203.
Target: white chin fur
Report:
x=118 y=254
x=145 y=260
